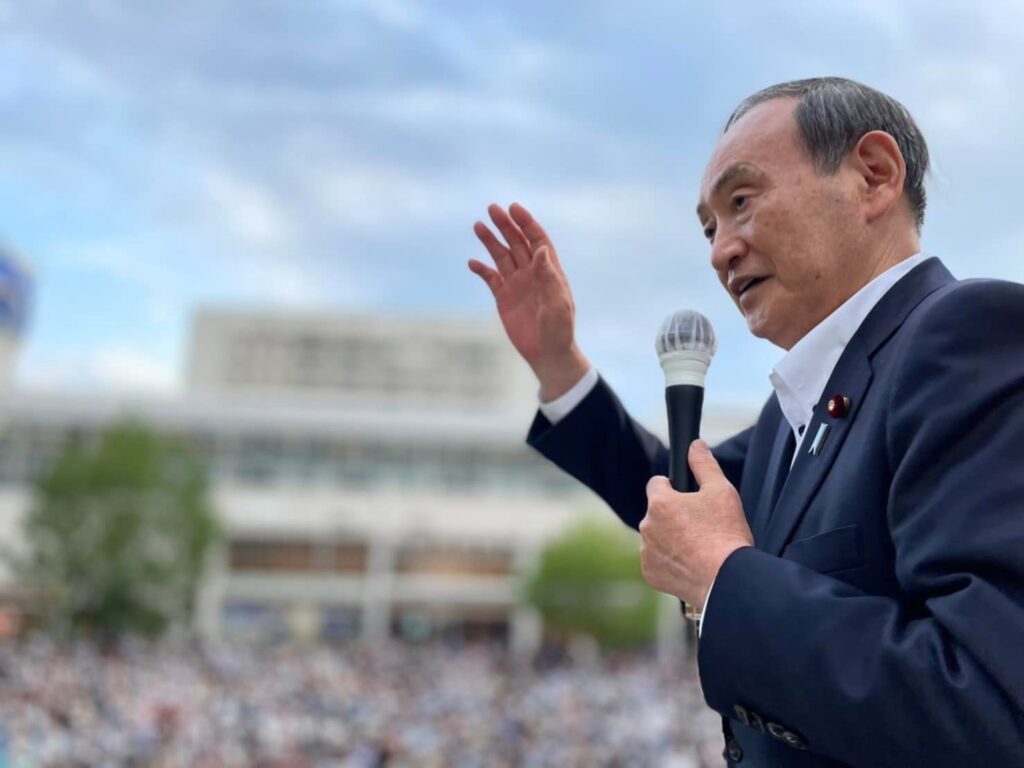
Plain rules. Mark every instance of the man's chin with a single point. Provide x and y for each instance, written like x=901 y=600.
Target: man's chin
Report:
x=756 y=326
x=759 y=328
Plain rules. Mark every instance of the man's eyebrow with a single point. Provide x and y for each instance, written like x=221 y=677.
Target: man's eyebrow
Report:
x=733 y=173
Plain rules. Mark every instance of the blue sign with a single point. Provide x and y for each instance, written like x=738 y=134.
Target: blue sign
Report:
x=15 y=293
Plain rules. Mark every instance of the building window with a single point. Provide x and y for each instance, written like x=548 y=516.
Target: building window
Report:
x=442 y=560
x=271 y=556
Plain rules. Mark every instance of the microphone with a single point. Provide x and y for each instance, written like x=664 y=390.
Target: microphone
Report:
x=685 y=345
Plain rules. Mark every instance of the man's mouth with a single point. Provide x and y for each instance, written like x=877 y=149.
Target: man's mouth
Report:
x=752 y=283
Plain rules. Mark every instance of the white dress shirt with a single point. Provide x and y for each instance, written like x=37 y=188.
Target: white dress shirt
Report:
x=799 y=378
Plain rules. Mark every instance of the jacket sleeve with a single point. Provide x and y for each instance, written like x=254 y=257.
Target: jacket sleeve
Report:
x=600 y=445
x=935 y=677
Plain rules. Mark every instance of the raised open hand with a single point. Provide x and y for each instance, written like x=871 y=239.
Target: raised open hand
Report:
x=532 y=297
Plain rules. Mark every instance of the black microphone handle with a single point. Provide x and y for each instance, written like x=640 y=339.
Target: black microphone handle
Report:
x=684 y=403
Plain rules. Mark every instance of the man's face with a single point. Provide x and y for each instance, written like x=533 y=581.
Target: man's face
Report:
x=770 y=215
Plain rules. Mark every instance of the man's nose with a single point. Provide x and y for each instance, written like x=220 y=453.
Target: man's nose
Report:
x=727 y=249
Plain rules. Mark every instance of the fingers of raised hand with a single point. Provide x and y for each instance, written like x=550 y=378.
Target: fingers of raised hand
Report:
x=529 y=226
x=534 y=233
x=501 y=255
x=517 y=242
x=488 y=275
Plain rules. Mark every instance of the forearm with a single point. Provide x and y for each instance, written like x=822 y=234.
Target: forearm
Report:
x=602 y=447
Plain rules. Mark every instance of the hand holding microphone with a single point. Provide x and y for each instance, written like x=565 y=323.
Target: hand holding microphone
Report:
x=695 y=519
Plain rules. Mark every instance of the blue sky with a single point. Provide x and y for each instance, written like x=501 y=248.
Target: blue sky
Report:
x=156 y=157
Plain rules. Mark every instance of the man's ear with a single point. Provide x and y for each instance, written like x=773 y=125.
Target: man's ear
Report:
x=879 y=164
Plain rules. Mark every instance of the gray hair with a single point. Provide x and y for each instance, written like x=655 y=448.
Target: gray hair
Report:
x=833 y=113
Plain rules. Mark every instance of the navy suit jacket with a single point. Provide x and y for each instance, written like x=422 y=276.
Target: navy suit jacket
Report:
x=879 y=618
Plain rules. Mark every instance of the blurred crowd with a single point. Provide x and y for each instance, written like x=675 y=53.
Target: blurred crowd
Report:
x=306 y=707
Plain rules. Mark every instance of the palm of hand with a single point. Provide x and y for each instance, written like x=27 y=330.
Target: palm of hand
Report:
x=537 y=322
x=530 y=290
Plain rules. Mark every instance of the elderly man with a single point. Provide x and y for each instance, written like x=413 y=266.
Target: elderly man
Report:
x=859 y=552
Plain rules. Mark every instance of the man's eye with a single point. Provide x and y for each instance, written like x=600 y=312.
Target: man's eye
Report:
x=739 y=202
x=709 y=233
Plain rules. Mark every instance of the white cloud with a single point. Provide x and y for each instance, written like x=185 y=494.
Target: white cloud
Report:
x=124 y=260
x=246 y=209
x=883 y=15
x=963 y=99
x=628 y=208
x=374 y=198
x=442 y=107
x=279 y=281
x=114 y=367
x=392 y=13
x=127 y=369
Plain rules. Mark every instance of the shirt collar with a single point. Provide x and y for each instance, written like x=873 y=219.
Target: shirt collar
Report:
x=801 y=375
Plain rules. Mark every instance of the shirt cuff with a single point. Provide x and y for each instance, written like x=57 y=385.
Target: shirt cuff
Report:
x=562 y=406
x=704 y=610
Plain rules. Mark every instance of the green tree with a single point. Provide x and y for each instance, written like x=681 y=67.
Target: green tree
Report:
x=118 y=533
x=589 y=581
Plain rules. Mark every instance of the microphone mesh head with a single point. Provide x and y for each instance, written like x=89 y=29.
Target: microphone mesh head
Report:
x=686 y=331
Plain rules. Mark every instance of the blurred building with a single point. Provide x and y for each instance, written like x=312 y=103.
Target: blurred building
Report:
x=370 y=471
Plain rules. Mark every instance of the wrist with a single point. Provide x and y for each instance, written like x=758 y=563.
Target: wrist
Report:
x=558 y=376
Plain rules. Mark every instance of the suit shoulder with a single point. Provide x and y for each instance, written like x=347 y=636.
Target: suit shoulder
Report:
x=956 y=364
x=970 y=309
x=962 y=335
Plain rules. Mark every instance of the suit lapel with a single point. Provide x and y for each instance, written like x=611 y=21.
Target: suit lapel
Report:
x=775 y=477
x=851 y=377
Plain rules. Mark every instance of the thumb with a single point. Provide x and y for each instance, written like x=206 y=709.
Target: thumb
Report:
x=703 y=463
